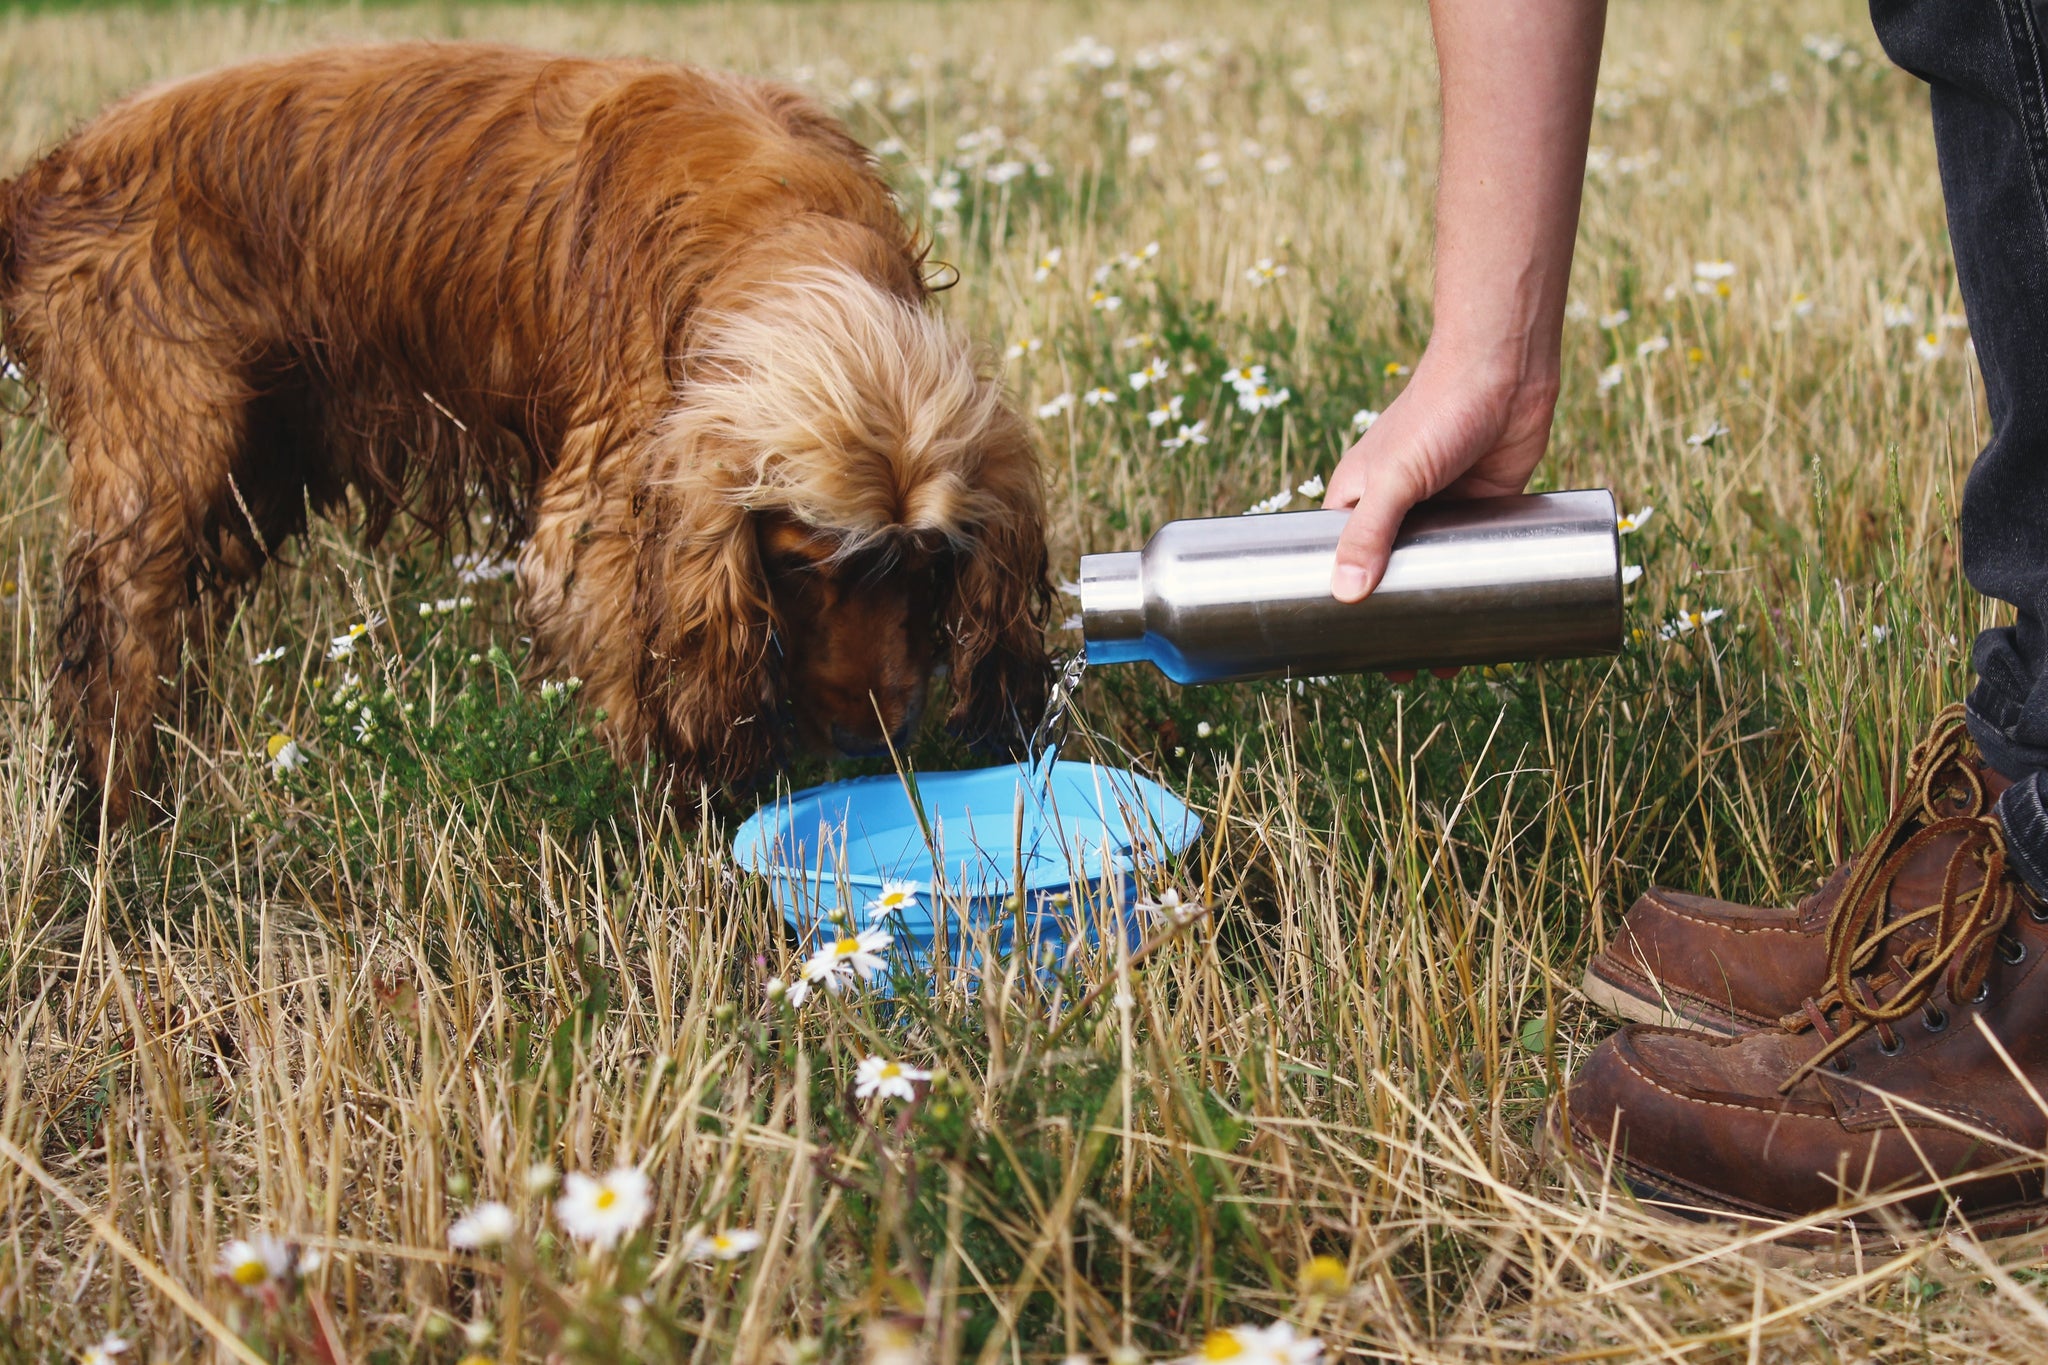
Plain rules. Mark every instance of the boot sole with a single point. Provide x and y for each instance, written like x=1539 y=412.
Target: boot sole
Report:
x=1844 y=1247
x=1620 y=999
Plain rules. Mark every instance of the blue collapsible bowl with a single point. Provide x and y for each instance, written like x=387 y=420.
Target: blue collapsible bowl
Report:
x=1085 y=832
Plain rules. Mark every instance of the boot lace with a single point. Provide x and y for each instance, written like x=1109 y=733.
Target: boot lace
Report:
x=1873 y=985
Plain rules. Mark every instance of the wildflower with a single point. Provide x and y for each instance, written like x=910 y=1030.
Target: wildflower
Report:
x=879 y=1076
x=1141 y=145
x=1929 y=347
x=1046 y=263
x=1055 y=406
x=1245 y=376
x=1137 y=341
x=1102 y=301
x=1210 y=164
x=341 y=646
x=1714 y=431
x=1017 y=350
x=1611 y=377
x=475 y=568
x=1098 y=395
x=1646 y=349
x=1393 y=369
x=541 y=1177
x=1576 y=311
x=1324 y=1275
x=775 y=989
x=1363 y=419
x=1878 y=635
x=1634 y=520
x=1897 y=315
x=1630 y=573
x=1952 y=322
x=268 y=656
x=1610 y=321
x=256 y=1264
x=1264 y=272
x=1278 y=1344
x=552 y=688
x=1167 y=907
x=1196 y=435
x=487 y=1225
x=1003 y=172
x=1272 y=504
x=1153 y=371
x=890 y=146
x=1686 y=622
x=103 y=1351
x=722 y=1246
x=1802 y=306
x=844 y=959
x=895 y=896
x=1311 y=489
x=1167 y=411
x=1261 y=397
x=285 y=754
x=1713 y=272
x=1277 y=164
x=1203 y=729
x=944 y=198
x=1087 y=51
x=603 y=1211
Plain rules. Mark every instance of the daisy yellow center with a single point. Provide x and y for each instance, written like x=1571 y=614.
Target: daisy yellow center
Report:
x=277 y=743
x=358 y=629
x=250 y=1273
x=892 y=899
x=1222 y=1345
x=846 y=947
x=606 y=1197
x=722 y=1242
x=890 y=1071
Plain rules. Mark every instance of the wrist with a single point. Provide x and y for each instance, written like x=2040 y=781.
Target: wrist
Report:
x=1504 y=366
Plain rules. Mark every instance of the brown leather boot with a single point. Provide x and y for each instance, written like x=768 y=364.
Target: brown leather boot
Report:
x=1909 y=1090
x=1694 y=962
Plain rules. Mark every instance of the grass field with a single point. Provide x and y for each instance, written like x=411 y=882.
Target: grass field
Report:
x=344 y=1004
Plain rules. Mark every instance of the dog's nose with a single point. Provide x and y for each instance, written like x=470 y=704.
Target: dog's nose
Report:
x=851 y=745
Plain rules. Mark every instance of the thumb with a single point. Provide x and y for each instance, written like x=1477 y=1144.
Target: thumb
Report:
x=1368 y=538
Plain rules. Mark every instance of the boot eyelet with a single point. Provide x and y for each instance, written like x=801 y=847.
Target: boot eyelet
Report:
x=1934 y=1019
x=1898 y=1046
x=2039 y=910
x=2012 y=950
x=1842 y=1065
x=1983 y=994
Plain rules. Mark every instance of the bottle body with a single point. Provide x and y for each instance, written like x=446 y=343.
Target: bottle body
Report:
x=1492 y=580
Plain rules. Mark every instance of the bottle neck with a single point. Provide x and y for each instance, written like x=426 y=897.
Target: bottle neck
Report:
x=1113 y=607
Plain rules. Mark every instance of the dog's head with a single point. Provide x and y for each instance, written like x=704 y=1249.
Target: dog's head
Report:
x=849 y=502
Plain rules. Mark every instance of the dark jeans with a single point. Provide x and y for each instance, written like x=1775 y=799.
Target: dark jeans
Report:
x=1986 y=66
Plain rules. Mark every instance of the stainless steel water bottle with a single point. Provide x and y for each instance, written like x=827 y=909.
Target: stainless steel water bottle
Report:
x=1491 y=580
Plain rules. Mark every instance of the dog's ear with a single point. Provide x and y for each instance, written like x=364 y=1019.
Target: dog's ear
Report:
x=1000 y=603
x=710 y=655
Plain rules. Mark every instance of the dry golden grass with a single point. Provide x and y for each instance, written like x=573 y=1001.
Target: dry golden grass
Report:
x=345 y=1007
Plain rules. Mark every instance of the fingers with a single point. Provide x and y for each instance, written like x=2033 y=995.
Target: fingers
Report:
x=1368 y=537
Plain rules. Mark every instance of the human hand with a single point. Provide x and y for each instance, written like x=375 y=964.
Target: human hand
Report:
x=1464 y=426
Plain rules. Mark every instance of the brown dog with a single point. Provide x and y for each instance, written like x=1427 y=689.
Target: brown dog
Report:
x=668 y=322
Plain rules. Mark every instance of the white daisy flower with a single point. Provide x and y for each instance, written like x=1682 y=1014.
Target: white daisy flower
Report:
x=268 y=656
x=1611 y=376
x=1003 y=172
x=606 y=1210
x=895 y=896
x=1245 y=376
x=256 y=1264
x=285 y=754
x=1630 y=573
x=1257 y=398
x=1897 y=315
x=1098 y=395
x=1610 y=321
x=1646 y=349
x=1167 y=411
x=1713 y=271
x=1142 y=145
x=1054 y=406
x=1633 y=521
x=1278 y=1344
x=1102 y=301
x=847 y=958
x=722 y=1246
x=1313 y=488
x=1196 y=435
x=1046 y=264
x=1264 y=272
x=1153 y=371
x=1801 y=306
x=944 y=198
x=879 y=1076
x=1363 y=419
x=487 y=1225
x=103 y=1351
x=1686 y=622
x=1929 y=347
x=1714 y=431
x=1167 y=907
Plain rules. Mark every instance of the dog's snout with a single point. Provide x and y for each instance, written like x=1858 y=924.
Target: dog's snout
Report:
x=853 y=745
